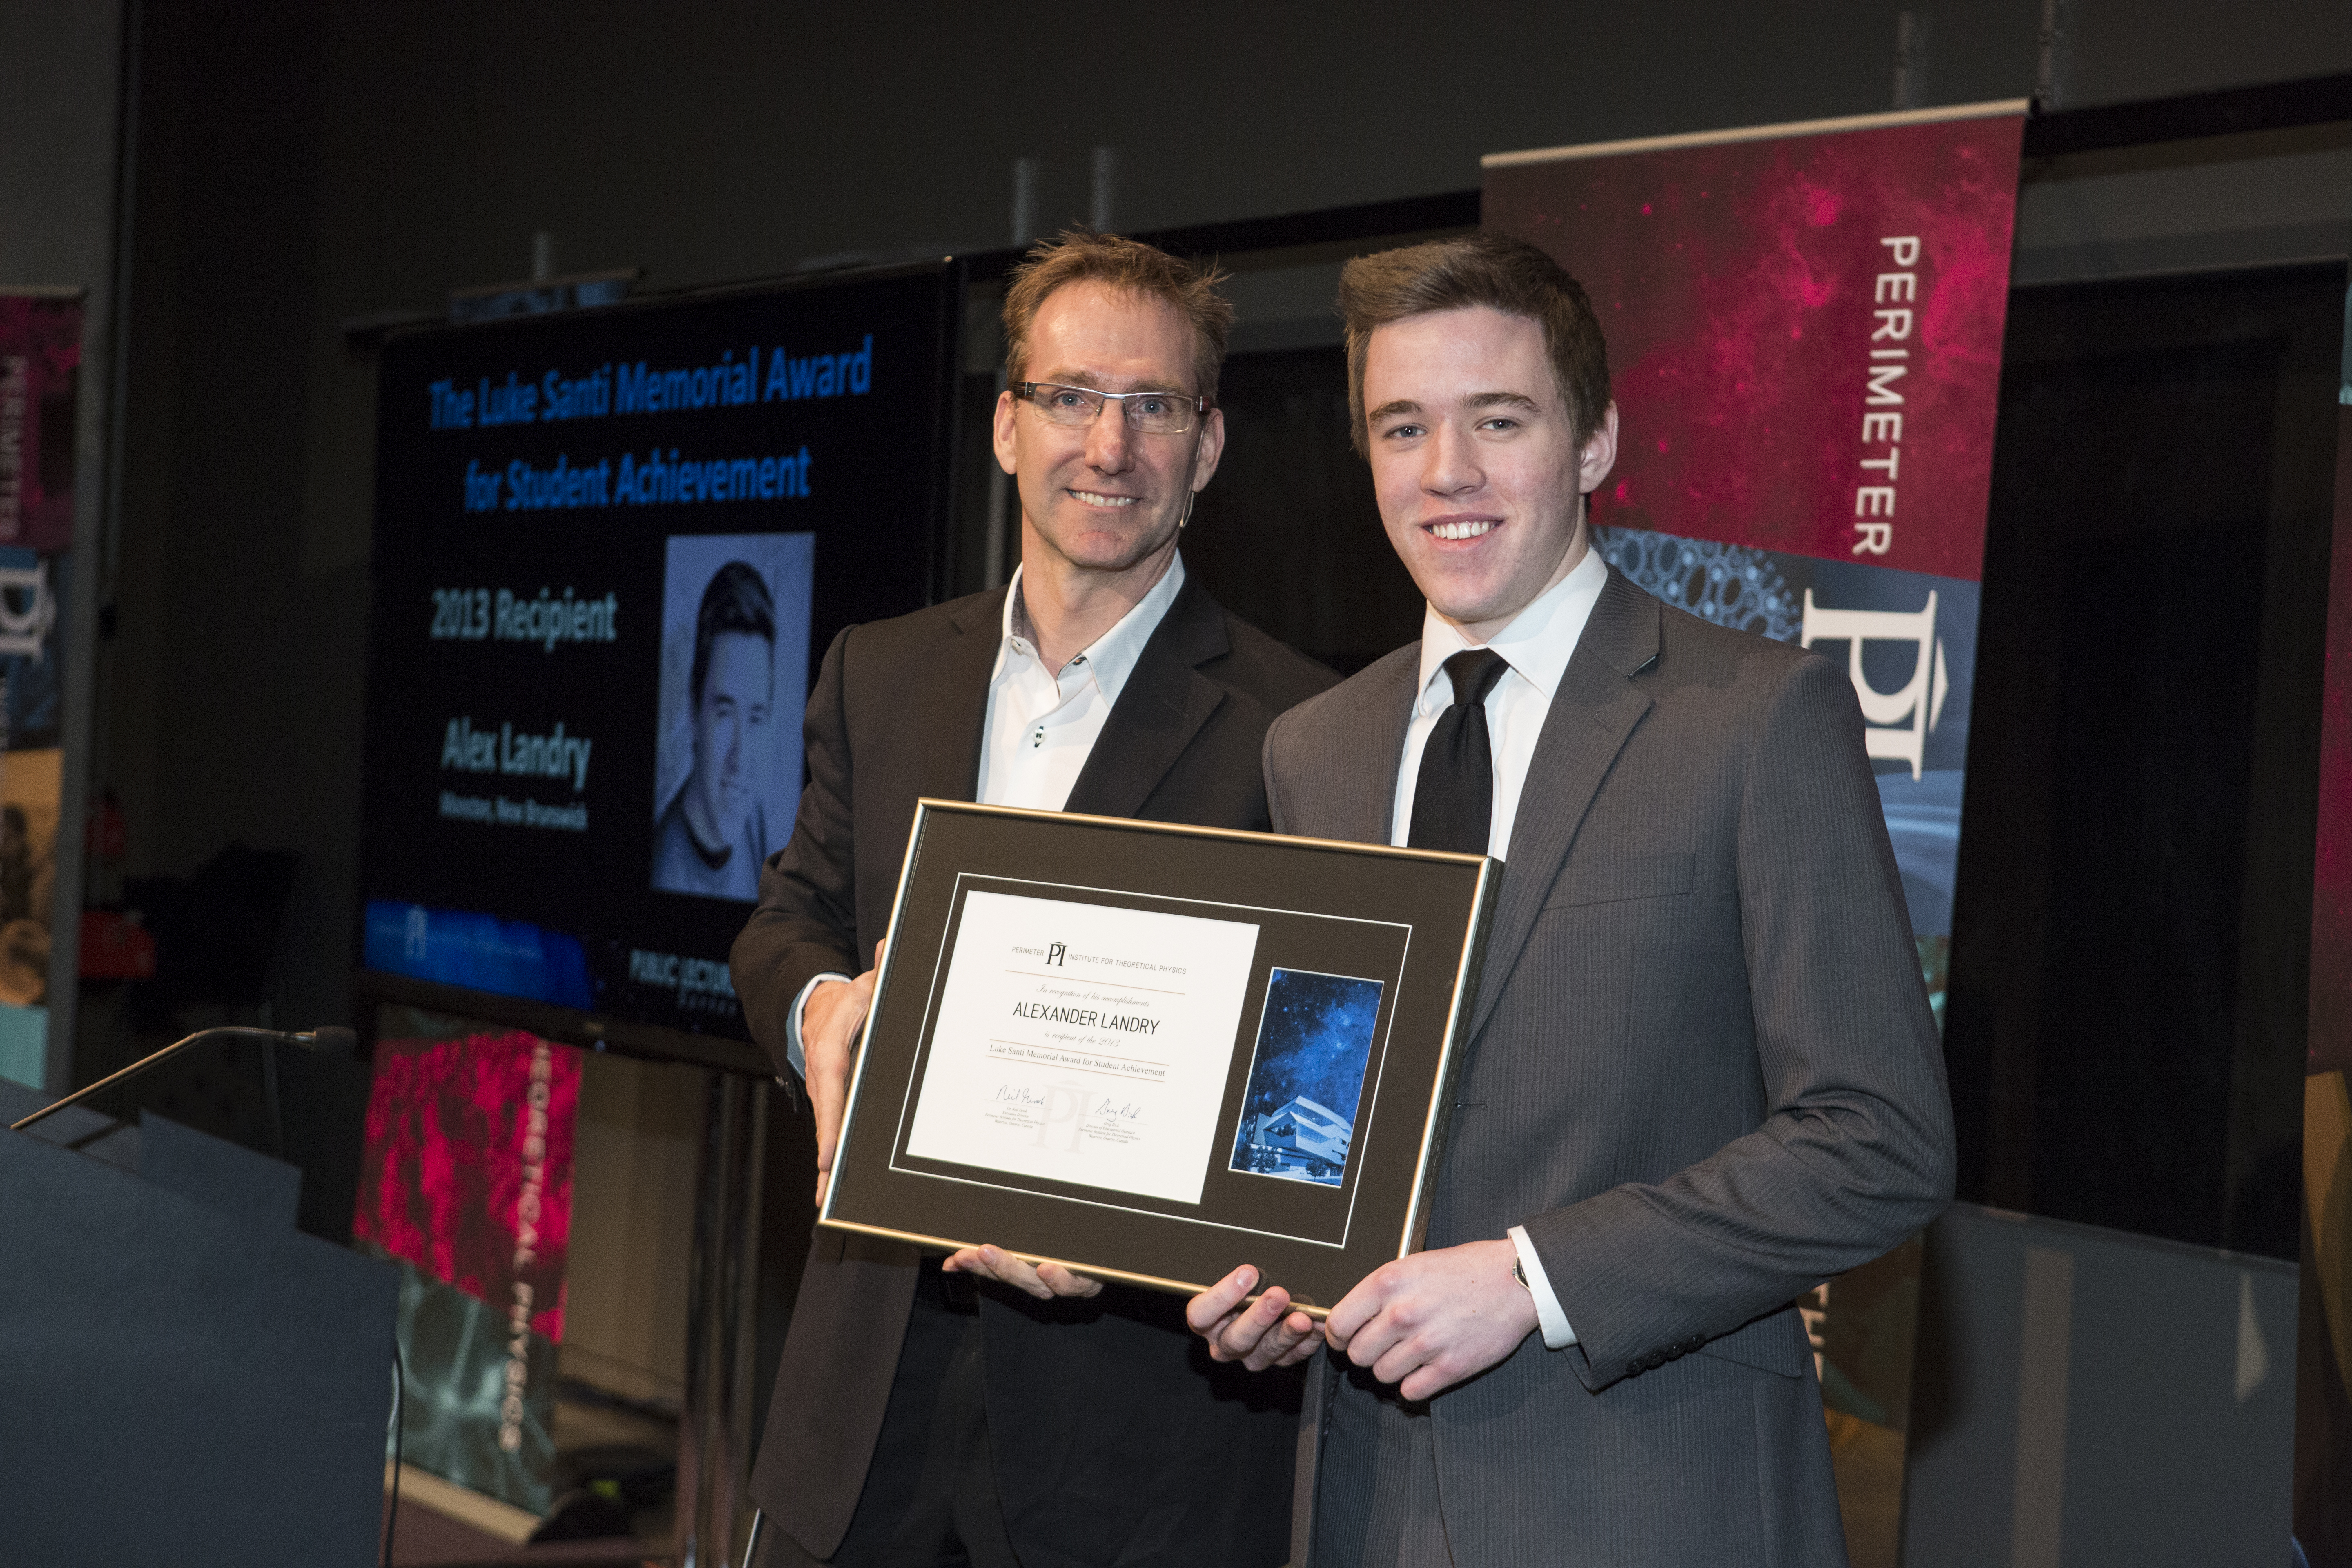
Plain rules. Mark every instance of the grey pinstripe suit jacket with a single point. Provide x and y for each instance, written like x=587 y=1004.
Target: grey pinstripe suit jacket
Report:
x=1702 y=1072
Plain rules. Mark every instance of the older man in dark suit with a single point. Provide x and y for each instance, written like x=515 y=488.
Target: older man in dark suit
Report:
x=988 y=1412
x=1700 y=1074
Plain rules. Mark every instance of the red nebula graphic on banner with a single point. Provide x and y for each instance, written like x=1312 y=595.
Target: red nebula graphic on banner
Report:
x=469 y=1173
x=40 y=357
x=1804 y=332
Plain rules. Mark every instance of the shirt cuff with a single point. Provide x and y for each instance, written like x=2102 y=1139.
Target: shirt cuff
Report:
x=793 y=1052
x=1557 y=1334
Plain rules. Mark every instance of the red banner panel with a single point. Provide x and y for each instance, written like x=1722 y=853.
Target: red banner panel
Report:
x=40 y=369
x=1804 y=328
x=469 y=1173
x=467 y=1183
x=40 y=363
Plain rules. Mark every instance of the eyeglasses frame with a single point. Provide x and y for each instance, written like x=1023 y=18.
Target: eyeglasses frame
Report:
x=1202 y=406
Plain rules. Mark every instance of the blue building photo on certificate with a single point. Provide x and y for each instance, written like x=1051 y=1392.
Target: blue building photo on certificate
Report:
x=1299 y=1116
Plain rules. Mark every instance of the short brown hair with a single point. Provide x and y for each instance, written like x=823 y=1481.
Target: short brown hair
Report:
x=1481 y=269
x=1082 y=256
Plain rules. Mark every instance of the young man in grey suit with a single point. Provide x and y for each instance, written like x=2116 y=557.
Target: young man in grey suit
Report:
x=1700 y=1073
x=987 y=1412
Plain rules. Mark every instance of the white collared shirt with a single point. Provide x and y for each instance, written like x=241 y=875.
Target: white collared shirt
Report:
x=1041 y=725
x=1537 y=646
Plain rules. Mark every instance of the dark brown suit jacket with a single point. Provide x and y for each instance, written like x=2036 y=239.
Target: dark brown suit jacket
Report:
x=1114 y=1437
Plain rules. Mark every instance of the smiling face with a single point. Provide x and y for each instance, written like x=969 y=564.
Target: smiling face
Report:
x=1476 y=461
x=728 y=721
x=1103 y=497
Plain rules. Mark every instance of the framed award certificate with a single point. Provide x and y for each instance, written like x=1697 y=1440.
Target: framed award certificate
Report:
x=1155 y=1053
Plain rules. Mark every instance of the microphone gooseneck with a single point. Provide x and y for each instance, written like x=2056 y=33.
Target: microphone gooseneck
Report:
x=331 y=1040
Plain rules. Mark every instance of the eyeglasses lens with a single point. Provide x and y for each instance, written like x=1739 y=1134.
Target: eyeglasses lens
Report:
x=1152 y=413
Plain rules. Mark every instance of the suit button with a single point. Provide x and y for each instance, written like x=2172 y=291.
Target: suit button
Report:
x=1676 y=1353
x=1635 y=1370
x=1696 y=1342
x=1655 y=1359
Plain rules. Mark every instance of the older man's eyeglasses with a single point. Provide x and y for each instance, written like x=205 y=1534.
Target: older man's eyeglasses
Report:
x=1153 y=412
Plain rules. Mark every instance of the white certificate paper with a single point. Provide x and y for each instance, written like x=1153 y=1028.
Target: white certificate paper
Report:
x=1083 y=1044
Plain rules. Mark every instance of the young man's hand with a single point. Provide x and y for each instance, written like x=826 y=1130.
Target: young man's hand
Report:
x=1427 y=1321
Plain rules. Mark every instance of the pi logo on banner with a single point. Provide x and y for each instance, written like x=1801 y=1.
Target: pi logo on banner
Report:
x=29 y=611
x=1900 y=721
x=1056 y=953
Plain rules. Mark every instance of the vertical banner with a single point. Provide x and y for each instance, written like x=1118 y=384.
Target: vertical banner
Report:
x=466 y=1184
x=40 y=361
x=2322 y=1366
x=1804 y=327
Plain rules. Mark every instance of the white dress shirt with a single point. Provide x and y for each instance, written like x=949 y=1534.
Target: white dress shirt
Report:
x=1537 y=646
x=1041 y=724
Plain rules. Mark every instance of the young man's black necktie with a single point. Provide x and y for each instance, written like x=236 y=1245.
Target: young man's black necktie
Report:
x=1453 y=799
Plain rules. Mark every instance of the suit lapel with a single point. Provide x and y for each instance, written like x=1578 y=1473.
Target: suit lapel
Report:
x=1592 y=714
x=955 y=710
x=1162 y=705
x=1362 y=800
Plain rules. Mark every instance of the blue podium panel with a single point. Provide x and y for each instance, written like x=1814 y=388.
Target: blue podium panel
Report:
x=222 y=1176
x=180 y=1385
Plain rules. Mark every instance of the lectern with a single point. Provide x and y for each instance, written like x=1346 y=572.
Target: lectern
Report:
x=183 y=1377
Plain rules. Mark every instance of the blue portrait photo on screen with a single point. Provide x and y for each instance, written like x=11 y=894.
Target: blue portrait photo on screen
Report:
x=1307 y=1077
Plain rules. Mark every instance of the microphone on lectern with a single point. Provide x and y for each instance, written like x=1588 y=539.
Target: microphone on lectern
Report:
x=328 y=1040
x=331 y=1040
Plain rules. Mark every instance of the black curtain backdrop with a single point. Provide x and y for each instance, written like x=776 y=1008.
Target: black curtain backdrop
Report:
x=2130 y=939
x=1288 y=536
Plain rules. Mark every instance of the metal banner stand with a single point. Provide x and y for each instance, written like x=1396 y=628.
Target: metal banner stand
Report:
x=714 y=1428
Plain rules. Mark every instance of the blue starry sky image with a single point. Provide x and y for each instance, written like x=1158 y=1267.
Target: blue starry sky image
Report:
x=1315 y=1042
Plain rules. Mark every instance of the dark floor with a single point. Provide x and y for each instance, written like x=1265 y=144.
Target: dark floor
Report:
x=427 y=1538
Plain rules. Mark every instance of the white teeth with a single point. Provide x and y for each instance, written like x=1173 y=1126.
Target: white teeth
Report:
x=1091 y=499
x=1461 y=530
